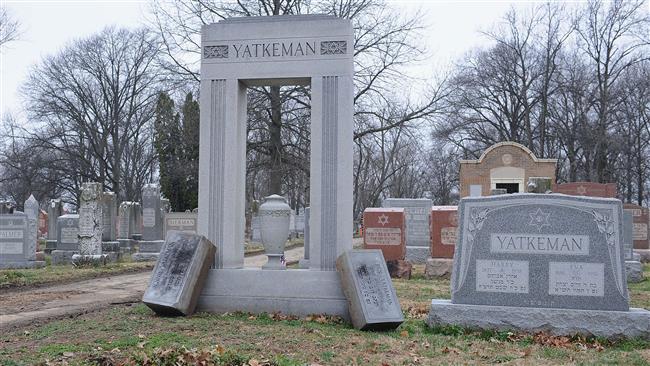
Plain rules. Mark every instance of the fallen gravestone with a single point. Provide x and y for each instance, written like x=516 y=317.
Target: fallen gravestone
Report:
x=373 y=303
x=533 y=262
x=179 y=274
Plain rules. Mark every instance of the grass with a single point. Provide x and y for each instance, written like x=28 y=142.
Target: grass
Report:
x=16 y=278
x=135 y=333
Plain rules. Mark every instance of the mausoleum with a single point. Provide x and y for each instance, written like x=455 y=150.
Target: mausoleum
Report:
x=506 y=165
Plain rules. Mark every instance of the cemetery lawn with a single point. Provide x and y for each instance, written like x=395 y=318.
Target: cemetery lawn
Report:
x=133 y=334
x=24 y=278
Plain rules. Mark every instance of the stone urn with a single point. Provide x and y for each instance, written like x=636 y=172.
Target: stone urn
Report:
x=274 y=216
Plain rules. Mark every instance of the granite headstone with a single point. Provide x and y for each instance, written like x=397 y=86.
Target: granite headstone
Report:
x=179 y=274
x=32 y=210
x=181 y=221
x=417 y=226
x=54 y=210
x=14 y=242
x=367 y=285
x=520 y=257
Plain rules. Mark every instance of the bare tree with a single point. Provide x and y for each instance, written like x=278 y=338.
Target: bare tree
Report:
x=92 y=105
x=614 y=37
x=9 y=27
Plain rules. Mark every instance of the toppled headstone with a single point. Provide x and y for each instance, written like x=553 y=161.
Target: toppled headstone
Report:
x=179 y=274
x=372 y=300
x=534 y=262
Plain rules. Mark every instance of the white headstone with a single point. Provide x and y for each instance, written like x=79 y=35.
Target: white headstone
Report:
x=31 y=210
x=90 y=219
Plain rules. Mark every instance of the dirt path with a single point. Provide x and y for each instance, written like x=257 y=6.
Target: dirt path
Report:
x=27 y=307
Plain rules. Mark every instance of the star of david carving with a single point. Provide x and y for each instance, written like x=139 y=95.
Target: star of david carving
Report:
x=383 y=220
x=581 y=190
x=539 y=219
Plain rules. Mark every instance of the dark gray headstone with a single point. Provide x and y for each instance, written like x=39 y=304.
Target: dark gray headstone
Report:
x=67 y=232
x=136 y=221
x=367 y=286
x=109 y=216
x=542 y=251
x=151 y=213
x=54 y=210
x=179 y=274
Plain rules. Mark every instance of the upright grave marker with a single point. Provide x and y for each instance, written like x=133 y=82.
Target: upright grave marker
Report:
x=444 y=230
x=54 y=210
x=418 y=247
x=91 y=225
x=385 y=229
x=537 y=262
x=15 y=239
x=67 y=238
x=31 y=210
x=136 y=221
x=124 y=232
x=152 y=225
x=181 y=221
x=109 y=222
x=641 y=217
x=633 y=267
x=590 y=189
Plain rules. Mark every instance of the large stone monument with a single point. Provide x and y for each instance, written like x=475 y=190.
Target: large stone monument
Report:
x=54 y=210
x=152 y=224
x=535 y=262
x=418 y=241
x=32 y=210
x=91 y=225
x=67 y=239
x=312 y=50
x=16 y=242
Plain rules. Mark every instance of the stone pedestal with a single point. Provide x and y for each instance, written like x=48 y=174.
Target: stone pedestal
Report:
x=127 y=245
x=598 y=323
x=438 y=267
x=50 y=245
x=148 y=250
x=62 y=256
x=22 y=264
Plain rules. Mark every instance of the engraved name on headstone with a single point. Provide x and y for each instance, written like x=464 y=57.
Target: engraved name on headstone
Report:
x=14 y=237
x=181 y=221
x=552 y=251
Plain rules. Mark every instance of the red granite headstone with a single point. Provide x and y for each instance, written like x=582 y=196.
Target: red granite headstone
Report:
x=640 y=217
x=385 y=229
x=590 y=189
x=444 y=228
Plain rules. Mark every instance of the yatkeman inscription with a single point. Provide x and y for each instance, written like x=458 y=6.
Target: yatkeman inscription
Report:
x=274 y=49
x=539 y=244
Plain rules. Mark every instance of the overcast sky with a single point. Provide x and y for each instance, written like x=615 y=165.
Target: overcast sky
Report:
x=49 y=25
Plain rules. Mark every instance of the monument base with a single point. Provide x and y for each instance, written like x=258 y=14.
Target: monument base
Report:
x=145 y=257
x=298 y=292
x=62 y=256
x=150 y=246
x=417 y=255
x=110 y=246
x=438 y=267
x=567 y=322
x=50 y=245
x=633 y=271
x=126 y=245
x=90 y=259
x=22 y=264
